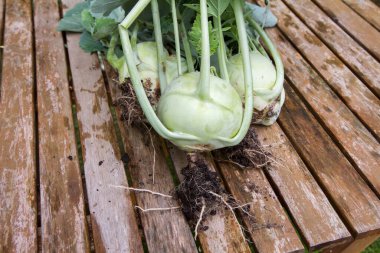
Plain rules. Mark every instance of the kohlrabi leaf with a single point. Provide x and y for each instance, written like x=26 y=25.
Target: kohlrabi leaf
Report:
x=117 y=14
x=195 y=36
x=262 y=15
x=217 y=7
x=88 y=21
x=89 y=44
x=72 y=20
x=103 y=27
x=101 y=8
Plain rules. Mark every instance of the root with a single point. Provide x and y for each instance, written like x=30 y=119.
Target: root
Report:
x=200 y=218
x=249 y=153
x=157 y=209
x=141 y=190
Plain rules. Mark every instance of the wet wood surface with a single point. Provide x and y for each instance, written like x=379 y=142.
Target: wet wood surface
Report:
x=18 y=206
x=113 y=221
x=321 y=191
x=63 y=222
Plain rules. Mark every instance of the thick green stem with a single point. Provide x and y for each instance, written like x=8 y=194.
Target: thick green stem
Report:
x=244 y=48
x=222 y=55
x=161 y=57
x=278 y=86
x=186 y=47
x=134 y=13
x=204 y=82
x=134 y=37
x=141 y=95
x=176 y=36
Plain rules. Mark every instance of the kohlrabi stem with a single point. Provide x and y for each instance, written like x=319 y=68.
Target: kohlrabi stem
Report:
x=204 y=82
x=176 y=36
x=244 y=48
x=141 y=95
x=222 y=55
x=134 y=37
x=161 y=57
x=278 y=86
x=134 y=13
x=186 y=47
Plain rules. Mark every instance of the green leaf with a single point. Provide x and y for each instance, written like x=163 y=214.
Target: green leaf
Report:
x=88 y=21
x=101 y=8
x=104 y=27
x=89 y=44
x=72 y=20
x=195 y=36
x=261 y=15
x=217 y=7
x=117 y=14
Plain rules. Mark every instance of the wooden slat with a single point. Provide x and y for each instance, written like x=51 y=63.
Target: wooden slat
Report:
x=63 y=223
x=223 y=229
x=354 y=25
x=18 y=208
x=113 y=219
x=367 y=10
x=271 y=231
x=349 y=51
x=2 y=3
x=360 y=245
x=316 y=219
x=355 y=201
x=360 y=146
x=354 y=93
x=165 y=231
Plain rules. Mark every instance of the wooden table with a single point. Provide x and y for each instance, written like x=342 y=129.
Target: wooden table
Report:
x=323 y=187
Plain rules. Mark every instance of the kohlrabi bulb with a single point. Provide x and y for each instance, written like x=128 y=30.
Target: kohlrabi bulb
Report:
x=182 y=110
x=263 y=72
x=267 y=105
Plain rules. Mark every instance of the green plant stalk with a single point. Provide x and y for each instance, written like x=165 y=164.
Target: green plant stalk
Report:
x=161 y=58
x=134 y=13
x=141 y=95
x=176 y=36
x=134 y=37
x=204 y=82
x=186 y=47
x=278 y=86
x=222 y=55
x=244 y=46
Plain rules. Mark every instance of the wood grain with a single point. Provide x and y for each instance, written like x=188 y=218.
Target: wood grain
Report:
x=348 y=50
x=353 y=92
x=165 y=231
x=361 y=244
x=113 y=218
x=353 y=24
x=18 y=208
x=367 y=10
x=271 y=229
x=63 y=223
x=354 y=200
x=2 y=3
x=316 y=219
x=351 y=136
x=223 y=233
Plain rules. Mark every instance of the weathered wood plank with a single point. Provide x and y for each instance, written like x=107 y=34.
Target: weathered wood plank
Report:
x=367 y=10
x=360 y=245
x=271 y=231
x=353 y=24
x=2 y=3
x=351 y=136
x=18 y=208
x=349 y=51
x=63 y=223
x=223 y=229
x=354 y=200
x=316 y=219
x=165 y=231
x=352 y=91
x=113 y=219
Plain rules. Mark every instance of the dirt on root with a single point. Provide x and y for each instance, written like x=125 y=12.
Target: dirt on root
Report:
x=131 y=111
x=249 y=153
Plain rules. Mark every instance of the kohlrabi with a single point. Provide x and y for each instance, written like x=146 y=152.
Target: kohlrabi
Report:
x=167 y=49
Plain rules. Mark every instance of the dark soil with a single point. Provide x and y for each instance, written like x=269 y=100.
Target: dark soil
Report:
x=249 y=153
x=131 y=111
